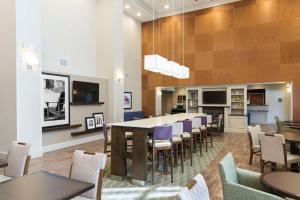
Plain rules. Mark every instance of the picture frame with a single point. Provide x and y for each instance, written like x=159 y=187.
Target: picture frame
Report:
x=99 y=119
x=90 y=123
x=127 y=100
x=55 y=100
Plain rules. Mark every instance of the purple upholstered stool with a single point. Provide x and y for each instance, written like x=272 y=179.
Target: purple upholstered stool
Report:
x=187 y=138
x=162 y=142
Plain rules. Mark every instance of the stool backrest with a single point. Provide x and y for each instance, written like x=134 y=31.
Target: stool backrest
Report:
x=162 y=132
x=177 y=128
x=187 y=126
x=196 y=122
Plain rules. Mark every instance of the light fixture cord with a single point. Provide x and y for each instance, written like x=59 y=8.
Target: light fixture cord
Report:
x=173 y=36
x=153 y=26
x=183 y=21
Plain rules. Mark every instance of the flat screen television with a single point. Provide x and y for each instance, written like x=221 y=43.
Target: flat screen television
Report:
x=214 y=97
x=85 y=92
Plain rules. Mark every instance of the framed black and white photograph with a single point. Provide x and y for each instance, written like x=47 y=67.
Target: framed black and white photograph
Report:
x=55 y=100
x=127 y=100
x=90 y=123
x=99 y=119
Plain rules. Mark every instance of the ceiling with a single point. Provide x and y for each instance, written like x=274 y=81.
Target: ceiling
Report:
x=145 y=7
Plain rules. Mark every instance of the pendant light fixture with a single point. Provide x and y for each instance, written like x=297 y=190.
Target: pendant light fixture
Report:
x=159 y=64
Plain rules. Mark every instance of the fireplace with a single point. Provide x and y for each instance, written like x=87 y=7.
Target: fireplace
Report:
x=214 y=111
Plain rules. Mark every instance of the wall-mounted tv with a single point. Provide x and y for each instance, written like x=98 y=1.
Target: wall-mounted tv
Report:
x=85 y=92
x=214 y=97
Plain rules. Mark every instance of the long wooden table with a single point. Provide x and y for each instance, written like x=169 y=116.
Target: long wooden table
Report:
x=42 y=185
x=141 y=130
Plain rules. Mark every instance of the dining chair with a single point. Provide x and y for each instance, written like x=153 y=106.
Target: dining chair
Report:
x=273 y=150
x=177 y=130
x=242 y=184
x=88 y=167
x=187 y=138
x=254 y=146
x=196 y=189
x=216 y=125
x=18 y=160
x=161 y=142
x=196 y=134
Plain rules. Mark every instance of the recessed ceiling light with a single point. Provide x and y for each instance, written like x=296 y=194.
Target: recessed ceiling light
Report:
x=127 y=6
x=138 y=14
x=167 y=6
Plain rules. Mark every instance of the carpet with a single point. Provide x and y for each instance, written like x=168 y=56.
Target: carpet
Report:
x=163 y=188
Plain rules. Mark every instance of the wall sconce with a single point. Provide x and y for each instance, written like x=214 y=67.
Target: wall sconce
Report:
x=30 y=57
x=289 y=87
x=120 y=76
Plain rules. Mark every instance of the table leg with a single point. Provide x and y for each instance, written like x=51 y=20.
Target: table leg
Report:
x=140 y=148
x=118 y=161
x=294 y=150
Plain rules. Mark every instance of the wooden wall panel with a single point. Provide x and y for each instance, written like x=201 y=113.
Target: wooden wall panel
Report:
x=244 y=42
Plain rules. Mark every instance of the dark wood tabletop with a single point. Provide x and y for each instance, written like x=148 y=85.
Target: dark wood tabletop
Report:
x=3 y=163
x=291 y=137
x=285 y=184
x=43 y=185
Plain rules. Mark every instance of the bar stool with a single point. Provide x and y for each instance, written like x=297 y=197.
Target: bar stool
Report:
x=177 y=130
x=187 y=138
x=204 y=132
x=161 y=141
x=196 y=134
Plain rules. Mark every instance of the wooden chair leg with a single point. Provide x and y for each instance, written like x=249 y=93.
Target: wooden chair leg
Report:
x=262 y=166
x=211 y=138
x=251 y=156
x=191 y=151
x=176 y=155
x=200 y=139
x=171 y=162
x=195 y=142
x=181 y=155
x=153 y=166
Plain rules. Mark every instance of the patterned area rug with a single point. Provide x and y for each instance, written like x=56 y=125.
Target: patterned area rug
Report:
x=163 y=189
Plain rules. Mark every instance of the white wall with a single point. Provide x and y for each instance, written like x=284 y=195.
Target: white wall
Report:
x=28 y=23
x=8 y=86
x=110 y=52
x=273 y=92
x=69 y=31
x=132 y=60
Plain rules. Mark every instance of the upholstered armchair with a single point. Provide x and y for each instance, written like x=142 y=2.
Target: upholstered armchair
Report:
x=241 y=184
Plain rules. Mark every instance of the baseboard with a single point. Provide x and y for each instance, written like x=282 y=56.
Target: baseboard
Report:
x=54 y=147
x=36 y=154
x=235 y=130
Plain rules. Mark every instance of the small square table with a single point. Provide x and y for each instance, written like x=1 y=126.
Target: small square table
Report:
x=43 y=185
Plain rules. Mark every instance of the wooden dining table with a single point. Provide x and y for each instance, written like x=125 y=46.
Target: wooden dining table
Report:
x=285 y=184
x=141 y=130
x=43 y=185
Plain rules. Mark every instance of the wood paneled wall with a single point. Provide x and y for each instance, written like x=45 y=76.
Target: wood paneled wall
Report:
x=245 y=42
